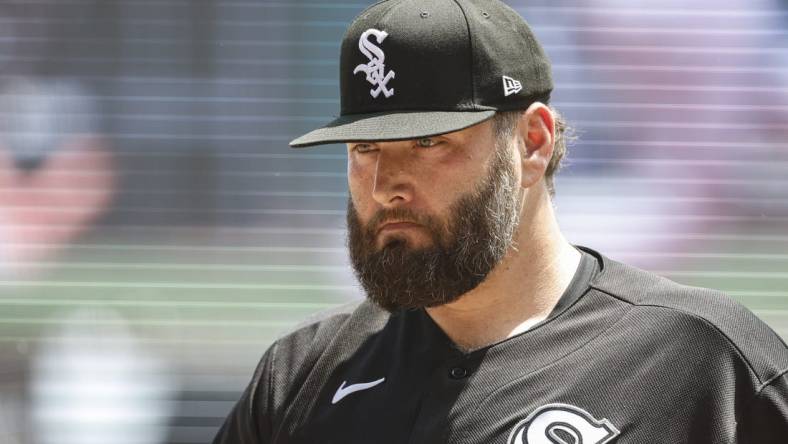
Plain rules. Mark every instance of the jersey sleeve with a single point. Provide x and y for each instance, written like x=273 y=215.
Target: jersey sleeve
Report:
x=765 y=421
x=249 y=422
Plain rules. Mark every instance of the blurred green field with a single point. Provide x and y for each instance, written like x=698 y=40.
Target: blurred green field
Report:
x=234 y=297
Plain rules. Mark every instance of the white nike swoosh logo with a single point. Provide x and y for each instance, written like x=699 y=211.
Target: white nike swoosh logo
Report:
x=343 y=391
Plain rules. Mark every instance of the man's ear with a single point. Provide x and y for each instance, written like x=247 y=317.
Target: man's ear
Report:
x=536 y=131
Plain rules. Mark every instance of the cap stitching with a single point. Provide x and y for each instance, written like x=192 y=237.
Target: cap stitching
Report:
x=473 y=62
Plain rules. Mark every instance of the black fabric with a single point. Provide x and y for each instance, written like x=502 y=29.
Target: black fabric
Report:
x=401 y=57
x=636 y=357
x=766 y=413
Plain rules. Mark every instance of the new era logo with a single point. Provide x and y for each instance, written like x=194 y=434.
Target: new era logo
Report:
x=511 y=86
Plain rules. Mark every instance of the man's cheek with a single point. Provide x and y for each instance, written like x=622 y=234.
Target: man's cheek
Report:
x=363 y=213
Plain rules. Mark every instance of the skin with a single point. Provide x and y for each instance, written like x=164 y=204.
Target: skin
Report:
x=427 y=175
x=33 y=225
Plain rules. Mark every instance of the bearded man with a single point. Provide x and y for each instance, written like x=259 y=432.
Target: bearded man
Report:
x=483 y=324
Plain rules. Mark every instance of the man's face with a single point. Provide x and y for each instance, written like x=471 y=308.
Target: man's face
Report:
x=428 y=219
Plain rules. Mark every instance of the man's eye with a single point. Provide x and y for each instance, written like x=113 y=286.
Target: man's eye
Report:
x=362 y=148
x=426 y=142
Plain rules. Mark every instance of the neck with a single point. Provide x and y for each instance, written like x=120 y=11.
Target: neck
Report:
x=521 y=290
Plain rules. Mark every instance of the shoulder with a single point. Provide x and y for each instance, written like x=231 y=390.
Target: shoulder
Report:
x=317 y=327
x=319 y=330
x=696 y=313
x=295 y=354
x=288 y=364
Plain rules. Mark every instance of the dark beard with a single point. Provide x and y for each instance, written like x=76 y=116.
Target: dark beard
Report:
x=478 y=233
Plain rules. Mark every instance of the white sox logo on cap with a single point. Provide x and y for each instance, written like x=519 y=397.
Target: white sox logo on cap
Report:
x=375 y=69
x=562 y=423
x=456 y=62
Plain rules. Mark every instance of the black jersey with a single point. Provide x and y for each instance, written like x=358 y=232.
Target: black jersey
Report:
x=625 y=357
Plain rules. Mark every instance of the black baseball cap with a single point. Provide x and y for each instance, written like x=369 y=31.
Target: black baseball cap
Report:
x=419 y=68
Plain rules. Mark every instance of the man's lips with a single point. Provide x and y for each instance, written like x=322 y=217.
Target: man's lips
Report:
x=397 y=225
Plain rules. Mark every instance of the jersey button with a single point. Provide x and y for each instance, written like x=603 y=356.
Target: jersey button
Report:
x=458 y=373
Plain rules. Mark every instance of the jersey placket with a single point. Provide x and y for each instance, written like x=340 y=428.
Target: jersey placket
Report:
x=439 y=399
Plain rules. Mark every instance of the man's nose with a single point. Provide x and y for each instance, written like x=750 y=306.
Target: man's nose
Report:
x=393 y=183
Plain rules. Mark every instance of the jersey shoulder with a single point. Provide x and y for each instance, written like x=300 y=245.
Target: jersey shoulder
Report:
x=764 y=352
x=299 y=352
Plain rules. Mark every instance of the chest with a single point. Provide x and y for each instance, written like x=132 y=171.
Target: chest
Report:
x=583 y=398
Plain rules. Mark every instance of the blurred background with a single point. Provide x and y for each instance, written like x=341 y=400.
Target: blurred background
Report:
x=156 y=233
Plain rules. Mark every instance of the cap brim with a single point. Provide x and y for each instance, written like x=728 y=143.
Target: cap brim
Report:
x=391 y=126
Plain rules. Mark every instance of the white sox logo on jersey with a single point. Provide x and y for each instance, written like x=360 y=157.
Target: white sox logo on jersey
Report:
x=562 y=424
x=375 y=69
